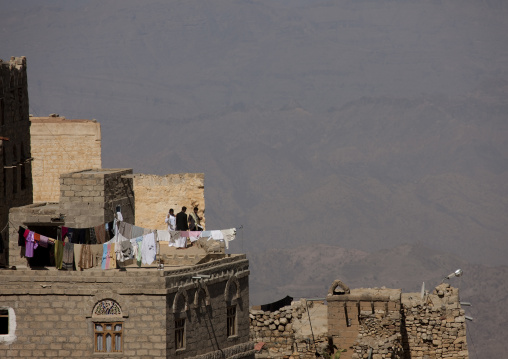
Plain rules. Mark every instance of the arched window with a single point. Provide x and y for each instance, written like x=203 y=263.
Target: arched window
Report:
x=231 y=296
x=180 y=307
x=108 y=327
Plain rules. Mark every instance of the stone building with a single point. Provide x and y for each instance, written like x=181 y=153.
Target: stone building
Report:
x=15 y=169
x=189 y=303
x=61 y=146
x=198 y=311
x=195 y=306
x=372 y=323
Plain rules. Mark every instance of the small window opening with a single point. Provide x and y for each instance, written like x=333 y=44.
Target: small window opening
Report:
x=231 y=321
x=180 y=333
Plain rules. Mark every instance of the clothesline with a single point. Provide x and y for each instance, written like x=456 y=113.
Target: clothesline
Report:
x=113 y=237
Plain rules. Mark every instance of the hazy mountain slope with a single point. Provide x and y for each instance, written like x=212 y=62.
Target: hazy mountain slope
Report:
x=360 y=124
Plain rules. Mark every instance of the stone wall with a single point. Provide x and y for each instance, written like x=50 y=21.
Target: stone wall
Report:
x=287 y=332
x=155 y=195
x=53 y=315
x=15 y=161
x=435 y=326
x=89 y=198
x=376 y=322
x=61 y=146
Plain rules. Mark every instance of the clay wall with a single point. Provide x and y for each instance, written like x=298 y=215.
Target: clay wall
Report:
x=15 y=161
x=61 y=146
x=155 y=195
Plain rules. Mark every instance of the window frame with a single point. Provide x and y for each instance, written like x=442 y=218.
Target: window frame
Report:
x=104 y=332
x=180 y=334
x=231 y=321
x=10 y=336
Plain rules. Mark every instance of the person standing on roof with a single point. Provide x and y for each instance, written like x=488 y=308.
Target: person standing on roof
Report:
x=181 y=220
x=195 y=221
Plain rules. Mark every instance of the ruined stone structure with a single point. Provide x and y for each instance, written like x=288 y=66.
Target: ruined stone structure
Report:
x=61 y=146
x=155 y=195
x=15 y=169
x=362 y=323
x=149 y=313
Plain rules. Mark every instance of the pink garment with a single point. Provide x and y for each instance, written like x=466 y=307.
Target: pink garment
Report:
x=30 y=245
x=26 y=233
x=194 y=235
x=184 y=234
x=44 y=241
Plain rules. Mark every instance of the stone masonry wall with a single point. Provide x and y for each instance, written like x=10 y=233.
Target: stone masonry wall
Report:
x=376 y=322
x=287 y=333
x=61 y=146
x=52 y=311
x=89 y=198
x=155 y=195
x=435 y=327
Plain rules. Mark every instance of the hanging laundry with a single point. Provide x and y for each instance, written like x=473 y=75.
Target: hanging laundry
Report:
x=206 y=234
x=37 y=237
x=22 y=236
x=217 y=235
x=105 y=257
x=100 y=234
x=30 y=245
x=139 y=242
x=43 y=241
x=77 y=254
x=68 y=257
x=96 y=254
x=194 y=235
x=229 y=235
x=59 y=249
x=125 y=229
x=64 y=231
x=86 y=257
x=137 y=231
x=163 y=235
x=148 y=249
x=123 y=248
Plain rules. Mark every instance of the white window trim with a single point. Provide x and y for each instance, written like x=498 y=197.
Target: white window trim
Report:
x=11 y=337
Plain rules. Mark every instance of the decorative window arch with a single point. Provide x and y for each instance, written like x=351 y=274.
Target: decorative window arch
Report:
x=180 y=302
x=232 y=290
x=108 y=323
x=203 y=293
x=107 y=307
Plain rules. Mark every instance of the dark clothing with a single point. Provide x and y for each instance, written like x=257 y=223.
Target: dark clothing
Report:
x=181 y=222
